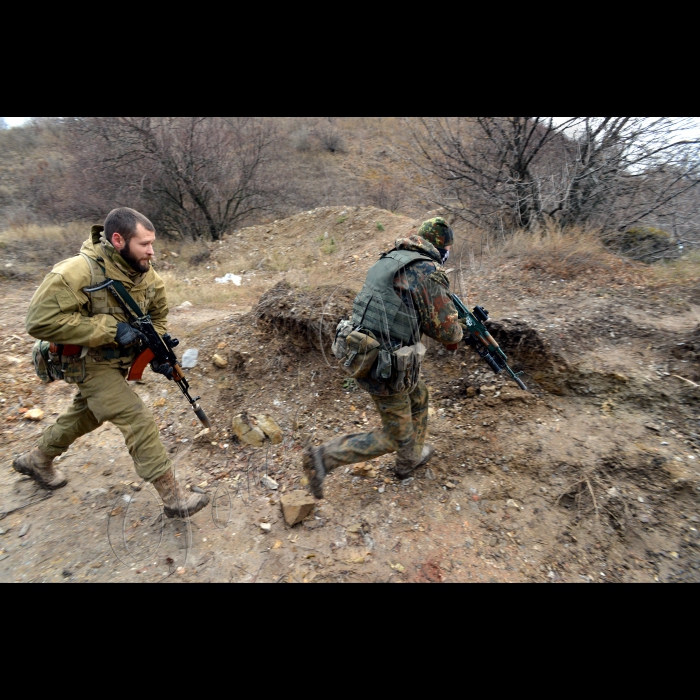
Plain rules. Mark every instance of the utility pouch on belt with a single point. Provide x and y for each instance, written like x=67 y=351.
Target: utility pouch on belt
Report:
x=407 y=366
x=383 y=370
x=59 y=362
x=356 y=350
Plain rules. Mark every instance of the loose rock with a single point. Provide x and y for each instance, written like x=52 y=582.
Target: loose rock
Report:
x=246 y=433
x=271 y=429
x=220 y=362
x=34 y=415
x=25 y=531
x=266 y=528
x=269 y=483
x=366 y=471
x=297 y=506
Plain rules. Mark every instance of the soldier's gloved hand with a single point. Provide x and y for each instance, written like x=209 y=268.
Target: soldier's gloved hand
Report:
x=165 y=369
x=127 y=336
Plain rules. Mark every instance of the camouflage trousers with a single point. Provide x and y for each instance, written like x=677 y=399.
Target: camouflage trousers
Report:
x=405 y=429
x=105 y=396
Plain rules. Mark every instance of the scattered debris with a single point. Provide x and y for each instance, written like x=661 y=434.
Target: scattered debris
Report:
x=230 y=279
x=190 y=359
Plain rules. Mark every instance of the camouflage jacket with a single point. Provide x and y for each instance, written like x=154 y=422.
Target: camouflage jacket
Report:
x=61 y=313
x=425 y=288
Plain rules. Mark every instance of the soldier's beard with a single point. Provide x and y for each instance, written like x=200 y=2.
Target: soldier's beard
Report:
x=133 y=262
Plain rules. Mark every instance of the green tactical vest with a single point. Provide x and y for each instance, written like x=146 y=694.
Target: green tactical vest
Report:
x=380 y=309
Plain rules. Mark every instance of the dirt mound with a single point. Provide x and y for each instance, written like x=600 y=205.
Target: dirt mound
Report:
x=307 y=318
x=529 y=352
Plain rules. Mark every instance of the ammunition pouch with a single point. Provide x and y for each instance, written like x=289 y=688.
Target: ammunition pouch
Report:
x=406 y=368
x=361 y=354
x=357 y=350
x=59 y=362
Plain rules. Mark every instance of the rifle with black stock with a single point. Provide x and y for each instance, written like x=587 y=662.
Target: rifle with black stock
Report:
x=155 y=350
x=483 y=342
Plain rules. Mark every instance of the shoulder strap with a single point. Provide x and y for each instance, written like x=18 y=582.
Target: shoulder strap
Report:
x=121 y=290
x=91 y=264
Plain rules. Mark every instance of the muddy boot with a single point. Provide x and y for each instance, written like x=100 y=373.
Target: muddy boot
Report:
x=177 y=502
x=315 y=470
x=405 y=468
x=38 y=466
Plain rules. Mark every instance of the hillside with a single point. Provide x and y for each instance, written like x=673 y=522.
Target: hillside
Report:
x=592 y=477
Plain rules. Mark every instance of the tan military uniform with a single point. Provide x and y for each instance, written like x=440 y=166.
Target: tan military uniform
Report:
x=61 y=313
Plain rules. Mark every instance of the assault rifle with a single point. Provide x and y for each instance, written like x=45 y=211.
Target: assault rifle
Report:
x=483 y=342
x=155 y=349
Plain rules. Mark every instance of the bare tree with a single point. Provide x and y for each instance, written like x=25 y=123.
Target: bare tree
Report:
x=197 y=176
x=3 y=123
x=520 y=172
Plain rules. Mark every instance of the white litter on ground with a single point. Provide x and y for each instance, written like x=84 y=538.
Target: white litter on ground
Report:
x=235 y=279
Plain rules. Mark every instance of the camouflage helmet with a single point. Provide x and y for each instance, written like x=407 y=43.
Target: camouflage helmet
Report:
x=438 y=232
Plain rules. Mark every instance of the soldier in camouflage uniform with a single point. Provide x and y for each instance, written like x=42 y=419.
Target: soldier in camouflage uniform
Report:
x=98 y=348
x=424 y=289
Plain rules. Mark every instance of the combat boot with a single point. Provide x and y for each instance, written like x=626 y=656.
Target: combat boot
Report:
x=315 y=470
x=404 y=467
x=177 y=502
x=38 y=466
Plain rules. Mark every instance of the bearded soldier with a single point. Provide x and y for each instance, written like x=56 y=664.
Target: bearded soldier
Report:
x=406 y=295
x=97 y=348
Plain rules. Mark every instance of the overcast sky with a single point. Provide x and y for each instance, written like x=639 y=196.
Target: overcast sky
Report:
x=15 y=121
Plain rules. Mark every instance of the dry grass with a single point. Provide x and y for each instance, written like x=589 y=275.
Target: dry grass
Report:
x=555 y=253
x=686 y=270
x=31 y=251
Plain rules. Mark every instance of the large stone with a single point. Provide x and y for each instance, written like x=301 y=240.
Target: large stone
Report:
x=297 y=506
x=271 y=429
x=246 y=433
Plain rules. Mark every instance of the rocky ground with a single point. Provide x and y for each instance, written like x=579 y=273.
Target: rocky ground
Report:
x=592 y=477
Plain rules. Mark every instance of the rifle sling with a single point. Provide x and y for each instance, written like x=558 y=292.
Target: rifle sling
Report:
x=126 y=297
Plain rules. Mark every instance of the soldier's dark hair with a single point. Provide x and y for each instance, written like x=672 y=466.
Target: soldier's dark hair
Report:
x=125 y=221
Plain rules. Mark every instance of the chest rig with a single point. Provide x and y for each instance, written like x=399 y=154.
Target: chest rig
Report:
x=380 y=309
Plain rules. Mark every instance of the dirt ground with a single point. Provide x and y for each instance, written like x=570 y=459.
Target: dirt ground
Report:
x=591 y=478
